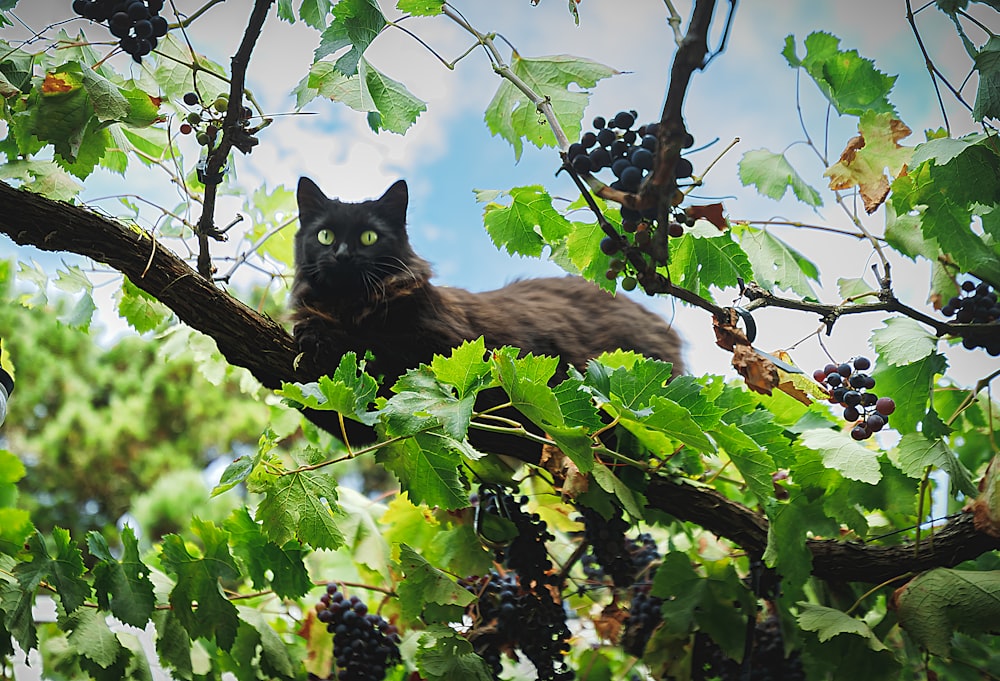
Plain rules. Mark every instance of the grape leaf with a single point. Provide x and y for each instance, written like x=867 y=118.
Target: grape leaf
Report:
x=349 y=391
x=828 y=622
x=109 y=103
x=933 y=605
x=314 y=13
x=776 y=265
x=902 y=341
x=583 y=247
x=772 y=175
x=422 y=583
x=987 y=62
x=90 y=636
x=753 y=462
x=527 y=224
x=62 y=111
x=445 y=655
x=273 y=660
x=421 y=401
x=868 y=156
x=843 y=454
x=909 y=386
x=142 y=311
x=466 y=369
x=289 y=577
x=173 y=645
x=427 y=466
x=298 y=505
x=788 y=526
x=698 y=262
x=197 y=598
x=422 y=8
x=63 y=571
x=850 y=82
x=915 y=452
x=615 y=486
x=396 y=108
x=515 y=118
x=682 y=590
x=123 y=587
x=356 y=23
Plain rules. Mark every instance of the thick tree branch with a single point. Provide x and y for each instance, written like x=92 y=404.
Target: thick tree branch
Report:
x=251 y=340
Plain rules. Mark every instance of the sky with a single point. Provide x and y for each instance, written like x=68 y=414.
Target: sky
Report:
x=748 y=92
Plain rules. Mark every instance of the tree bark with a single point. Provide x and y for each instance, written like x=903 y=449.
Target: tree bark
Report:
x=249 y=339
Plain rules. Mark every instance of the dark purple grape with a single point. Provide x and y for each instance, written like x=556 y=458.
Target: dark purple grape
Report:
x=575 y=150
x=968 y=285
x=599 y=123
x=834 y=379
x=588 y=140
x=885 y=406
x=623 y=120
x=649 y=142
x=190 y=98
x=619 y=166
x=852 y=398
x=860 y=432
x=610 y=245
x=844 y=370
x=642 y=158
x=851 y=414
x=599 y=158
x=582 y=164
x=631 y=177
x=683 y=168
x=875 y=422
x=138 y=11
x=606 y=136
x=861 y=363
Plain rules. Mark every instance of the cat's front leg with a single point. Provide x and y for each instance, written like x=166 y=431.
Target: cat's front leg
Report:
x=316 y=342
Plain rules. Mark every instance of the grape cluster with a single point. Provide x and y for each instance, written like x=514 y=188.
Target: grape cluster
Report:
x=976 y=304
x=645 y=613
x=630 y=153
x=526 y=553
x=608 y=547
x=364 y=644
x=510 y=614
x=851 y=387
x=136 y=23
x=205 y=120
x=767 y=661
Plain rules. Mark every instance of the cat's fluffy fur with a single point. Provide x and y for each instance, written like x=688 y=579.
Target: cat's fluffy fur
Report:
x=378 y=298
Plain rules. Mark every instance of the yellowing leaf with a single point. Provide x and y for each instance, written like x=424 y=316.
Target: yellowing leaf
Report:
x=868 y=157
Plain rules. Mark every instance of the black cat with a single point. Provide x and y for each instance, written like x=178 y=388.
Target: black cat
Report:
x=360 y=287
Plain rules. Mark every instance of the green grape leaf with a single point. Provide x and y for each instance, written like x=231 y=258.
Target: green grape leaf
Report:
x=349 y=391
x=636 y=386
x=902 y=341
x=173 y=645
x=369 y=91
x=63 y=110
x=123 y=587
x=515 y=118
x=63 y=571
x=753 y=462
x=526 y=381
x=444 y=654
x=90 y=636
x=289 y=577
x=422 y=583
x=772 y=175
x=776 y=265
x=583 y=247
x=700 y=260
x=421 y=401
x=421 y=8
x=141 y=310
x=828 y=622
x=682 y=590
x=298 y=505
x=527 y=224
x=356 y=23
x=273 y=659
x=110 y=104
x=314 y=13
x=197 y=598
x=935 y=604
x=843 y=454
x=915 y=452
x=396 y=108
x=870 y=156
x=427 y=466
x=615 y=486
x=946 y=197
x=789 y=525
x=987 y=62
x=909 y=386
x=850 y=82
x=663 y=424
x=466 y=369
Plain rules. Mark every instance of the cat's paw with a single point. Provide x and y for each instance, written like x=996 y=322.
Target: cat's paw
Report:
x=313 y=344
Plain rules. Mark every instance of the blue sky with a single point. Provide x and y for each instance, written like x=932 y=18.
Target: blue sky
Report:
x=747 y=92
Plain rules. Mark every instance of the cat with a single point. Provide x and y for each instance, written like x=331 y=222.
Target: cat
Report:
x=360 y=287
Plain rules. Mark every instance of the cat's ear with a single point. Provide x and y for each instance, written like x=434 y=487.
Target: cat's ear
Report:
x=311 y=199
x=392 y=204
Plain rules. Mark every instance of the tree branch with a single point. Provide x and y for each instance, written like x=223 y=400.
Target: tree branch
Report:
x=253 y=341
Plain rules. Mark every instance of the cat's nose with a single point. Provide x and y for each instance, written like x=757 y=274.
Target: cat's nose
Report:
x=340 y=251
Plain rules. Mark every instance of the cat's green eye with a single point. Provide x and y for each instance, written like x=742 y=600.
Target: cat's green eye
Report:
x=325 y=237
x=368 y=237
